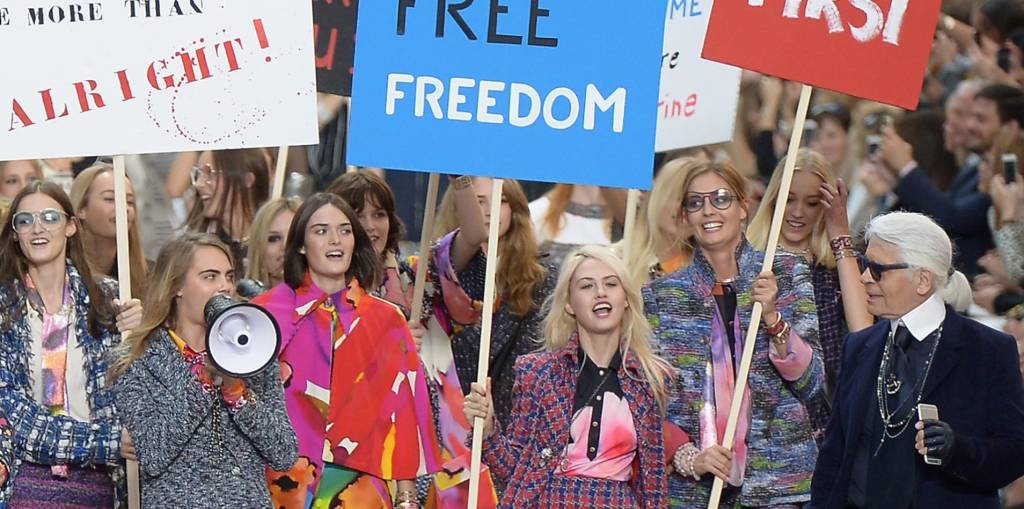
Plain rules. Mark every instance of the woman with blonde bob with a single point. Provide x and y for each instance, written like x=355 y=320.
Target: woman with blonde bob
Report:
x=598 y=361
x=661 y=240
x=92 y=195
x=817 y=229
x=265 y=264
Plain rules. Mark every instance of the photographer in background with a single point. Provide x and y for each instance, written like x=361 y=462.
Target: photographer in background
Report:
x=962 y=211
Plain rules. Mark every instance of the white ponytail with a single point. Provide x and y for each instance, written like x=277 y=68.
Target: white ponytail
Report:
x=957 y=292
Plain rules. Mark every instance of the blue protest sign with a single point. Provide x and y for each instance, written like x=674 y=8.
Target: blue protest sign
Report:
x=551 y=90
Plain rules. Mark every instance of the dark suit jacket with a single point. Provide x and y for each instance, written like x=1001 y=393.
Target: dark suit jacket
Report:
x=962 y=212
x=976 y=384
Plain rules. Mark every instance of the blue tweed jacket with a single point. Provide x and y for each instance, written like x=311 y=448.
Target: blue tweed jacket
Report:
x=781 y=450
x=46 y=439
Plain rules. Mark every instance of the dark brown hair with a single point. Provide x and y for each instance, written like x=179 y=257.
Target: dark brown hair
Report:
x=359 y=187
x=237 y=196
x=365 y=266
x=14 y=265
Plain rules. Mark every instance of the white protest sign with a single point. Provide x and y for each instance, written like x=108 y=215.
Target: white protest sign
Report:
x=697 y=103
x=145 y=76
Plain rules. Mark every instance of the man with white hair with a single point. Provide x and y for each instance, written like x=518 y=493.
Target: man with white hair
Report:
x=920 y=351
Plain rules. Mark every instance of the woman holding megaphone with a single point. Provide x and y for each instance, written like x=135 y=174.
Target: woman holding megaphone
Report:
x=354 y=385
x=203 y=439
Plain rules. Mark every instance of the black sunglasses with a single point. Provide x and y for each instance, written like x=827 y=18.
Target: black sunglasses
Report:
x=878 y=269
x=720 y=199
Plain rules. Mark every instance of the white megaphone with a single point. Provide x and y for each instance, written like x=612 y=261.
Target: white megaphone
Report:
x=241 y=339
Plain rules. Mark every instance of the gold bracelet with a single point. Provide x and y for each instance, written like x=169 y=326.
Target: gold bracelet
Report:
x=463 y=182
x=844 y=253
x=776 y=324
x=782 y=338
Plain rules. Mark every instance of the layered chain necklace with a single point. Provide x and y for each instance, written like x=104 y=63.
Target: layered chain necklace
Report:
x=889 y=385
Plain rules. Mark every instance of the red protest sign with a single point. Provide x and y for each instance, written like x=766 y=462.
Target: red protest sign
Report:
x=872 y=49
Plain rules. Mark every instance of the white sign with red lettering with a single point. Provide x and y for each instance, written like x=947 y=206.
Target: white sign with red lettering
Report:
x=139 y=76
x=697 y=103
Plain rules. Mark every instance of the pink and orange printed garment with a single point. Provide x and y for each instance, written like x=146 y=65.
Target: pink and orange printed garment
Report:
x=356 y=394
x=447 y=304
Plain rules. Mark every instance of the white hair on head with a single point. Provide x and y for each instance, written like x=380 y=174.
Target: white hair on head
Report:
x=970 y=87
x=923 y=243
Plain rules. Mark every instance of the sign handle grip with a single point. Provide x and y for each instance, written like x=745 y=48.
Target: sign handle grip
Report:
x=124 y=278
x=769 y=260
x=279 y=172
x=632 y=199
x=485 y=339
x=416 y=310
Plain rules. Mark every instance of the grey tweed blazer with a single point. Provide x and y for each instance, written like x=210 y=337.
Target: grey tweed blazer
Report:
x=193 y=451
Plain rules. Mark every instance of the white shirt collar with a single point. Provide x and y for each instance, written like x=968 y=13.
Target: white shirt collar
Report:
x=924 y=319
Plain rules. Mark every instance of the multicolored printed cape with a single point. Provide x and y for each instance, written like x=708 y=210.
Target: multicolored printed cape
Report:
x=356 y=394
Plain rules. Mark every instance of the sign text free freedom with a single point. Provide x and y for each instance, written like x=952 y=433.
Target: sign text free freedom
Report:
x=529 y=89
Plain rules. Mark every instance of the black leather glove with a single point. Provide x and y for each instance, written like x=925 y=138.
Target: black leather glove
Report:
x=938 y=438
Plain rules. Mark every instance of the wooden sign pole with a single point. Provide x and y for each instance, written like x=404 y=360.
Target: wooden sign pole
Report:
x=769 y=260
x=279 y=172
x=485 y=338
x=416 y=311
x=124 y=278
x=632 y=199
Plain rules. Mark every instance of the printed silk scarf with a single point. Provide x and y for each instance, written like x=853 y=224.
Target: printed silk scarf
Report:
x=55 y=329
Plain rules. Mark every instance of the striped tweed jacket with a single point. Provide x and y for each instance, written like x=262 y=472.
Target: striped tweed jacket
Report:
x=525 y=452
x=39 y=436
x=781 y=450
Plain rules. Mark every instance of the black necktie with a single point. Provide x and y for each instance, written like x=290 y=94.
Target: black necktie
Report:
x=901 y=367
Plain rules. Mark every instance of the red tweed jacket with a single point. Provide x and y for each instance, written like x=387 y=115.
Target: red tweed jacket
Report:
x=525 y=452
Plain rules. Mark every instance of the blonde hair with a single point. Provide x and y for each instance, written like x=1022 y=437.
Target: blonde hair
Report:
x=518 y=274
x=648 y=238
x=636 y=332
x=166 y=278
x=726 y=171
x=757 y=233
x=257 y=265
x=136 y=257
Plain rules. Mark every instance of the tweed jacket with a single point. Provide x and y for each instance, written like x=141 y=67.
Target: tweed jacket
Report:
x=46 y=439
x=194 y=452
x=781 y=449
x=6 y=448
x=524 y=453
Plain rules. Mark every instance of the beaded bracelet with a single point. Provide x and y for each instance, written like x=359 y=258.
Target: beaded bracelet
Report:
x=841 y=242
x=406 y=500
x=684 y=460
